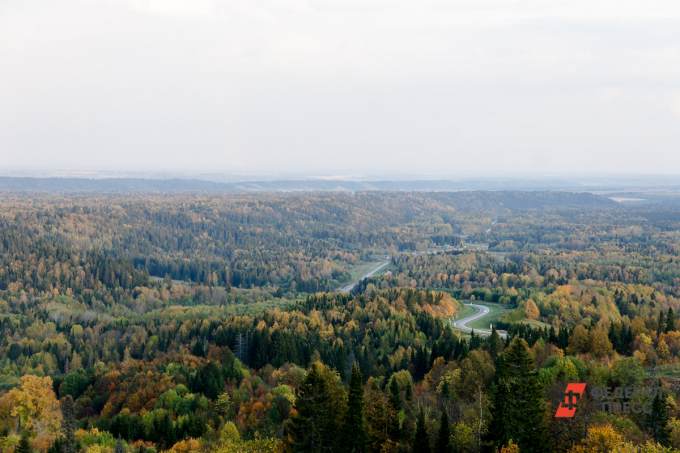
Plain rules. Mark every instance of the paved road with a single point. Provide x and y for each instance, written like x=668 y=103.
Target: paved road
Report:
x=462 y=323
x=369 y=274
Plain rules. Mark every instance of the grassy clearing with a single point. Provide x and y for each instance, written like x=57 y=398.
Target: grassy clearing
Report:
x=496 y=311
x=670 y=371
x=535 y=323
x=465 y=311
x=208 y=311
x=361 y=269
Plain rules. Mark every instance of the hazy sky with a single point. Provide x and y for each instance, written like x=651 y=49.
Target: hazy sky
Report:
x=348 y=87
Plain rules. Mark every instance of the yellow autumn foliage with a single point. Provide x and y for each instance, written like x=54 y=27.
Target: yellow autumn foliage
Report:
x=32 y=406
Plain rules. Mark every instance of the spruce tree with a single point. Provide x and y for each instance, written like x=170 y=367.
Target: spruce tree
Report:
x=355 y=425
x=68 y=425
x=24 y=444
x=320 y=404
x=518 y=407
x=421 y=442
x=670 y=320
x=657 y=420
x=164 y=430
x=661 y=324
x=395 y=394
x=495 y=344
x=394 y=398
x=420 y=363
x=444 y=436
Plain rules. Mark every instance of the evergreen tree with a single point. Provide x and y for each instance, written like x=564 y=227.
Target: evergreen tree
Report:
x=475 y=340
x=563 y=338
x=209 y=381
x=421 y=442
x=120 y=448
x=420 y=363
x=495 y=344
x=661 y=324
x=670 y=320
x=657 y=420
x=24 y=444
x=395 y=431
x=57 y=446
x=164 y=430
x=320 y=404
x=68 y=425
x=355 y=425
x=395 y=394
x=408 y=392
x=519 y=409
x=444 y=436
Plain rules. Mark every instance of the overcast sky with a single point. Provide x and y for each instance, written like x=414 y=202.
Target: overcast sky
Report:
x=341 y=87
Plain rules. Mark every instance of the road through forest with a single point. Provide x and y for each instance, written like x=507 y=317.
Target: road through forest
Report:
x=462 y=323
x=347 y=288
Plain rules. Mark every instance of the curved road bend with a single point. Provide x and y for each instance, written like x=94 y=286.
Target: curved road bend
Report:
x=462 y=324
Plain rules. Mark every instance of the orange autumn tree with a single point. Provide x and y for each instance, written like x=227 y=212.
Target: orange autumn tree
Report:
x=531 y=311
x=32 y=407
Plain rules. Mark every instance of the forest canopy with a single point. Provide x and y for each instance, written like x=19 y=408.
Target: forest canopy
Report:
x=211 y=322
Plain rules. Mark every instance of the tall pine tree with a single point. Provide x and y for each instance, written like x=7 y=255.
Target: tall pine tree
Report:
x=355 y=425
x=68 y=425
x=518 y=407
x=421 y=442
x=494 y=343
x=320 y=406
x=444 y=436
x=657 y=420
x=661 y=324
x=670 y=320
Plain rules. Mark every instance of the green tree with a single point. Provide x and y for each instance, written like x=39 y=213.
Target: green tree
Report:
x=320 y=405
x=670 y=320
x=518 y=407
x=627 y=371
x=421 y=442
x=209 y=381
x=68 y=425
x=223 y=404
x=661 y=324
x=382 y=424
x=24 y=444
x=444 y=436
x=355 y=425
x=395 y=394
x=657 y=420
x=494 y=343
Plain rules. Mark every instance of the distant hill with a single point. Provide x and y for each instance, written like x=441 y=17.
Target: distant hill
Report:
x=522 y=200
x=144 y=185
x=447 y=193
x=105 y=185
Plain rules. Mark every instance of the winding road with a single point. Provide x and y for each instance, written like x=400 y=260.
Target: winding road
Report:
x=462 y=323
x=349 y=287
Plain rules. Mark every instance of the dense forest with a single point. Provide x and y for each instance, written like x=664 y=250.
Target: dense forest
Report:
x=215 y=323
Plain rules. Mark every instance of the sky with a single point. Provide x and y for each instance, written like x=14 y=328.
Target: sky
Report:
x=442 y=88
